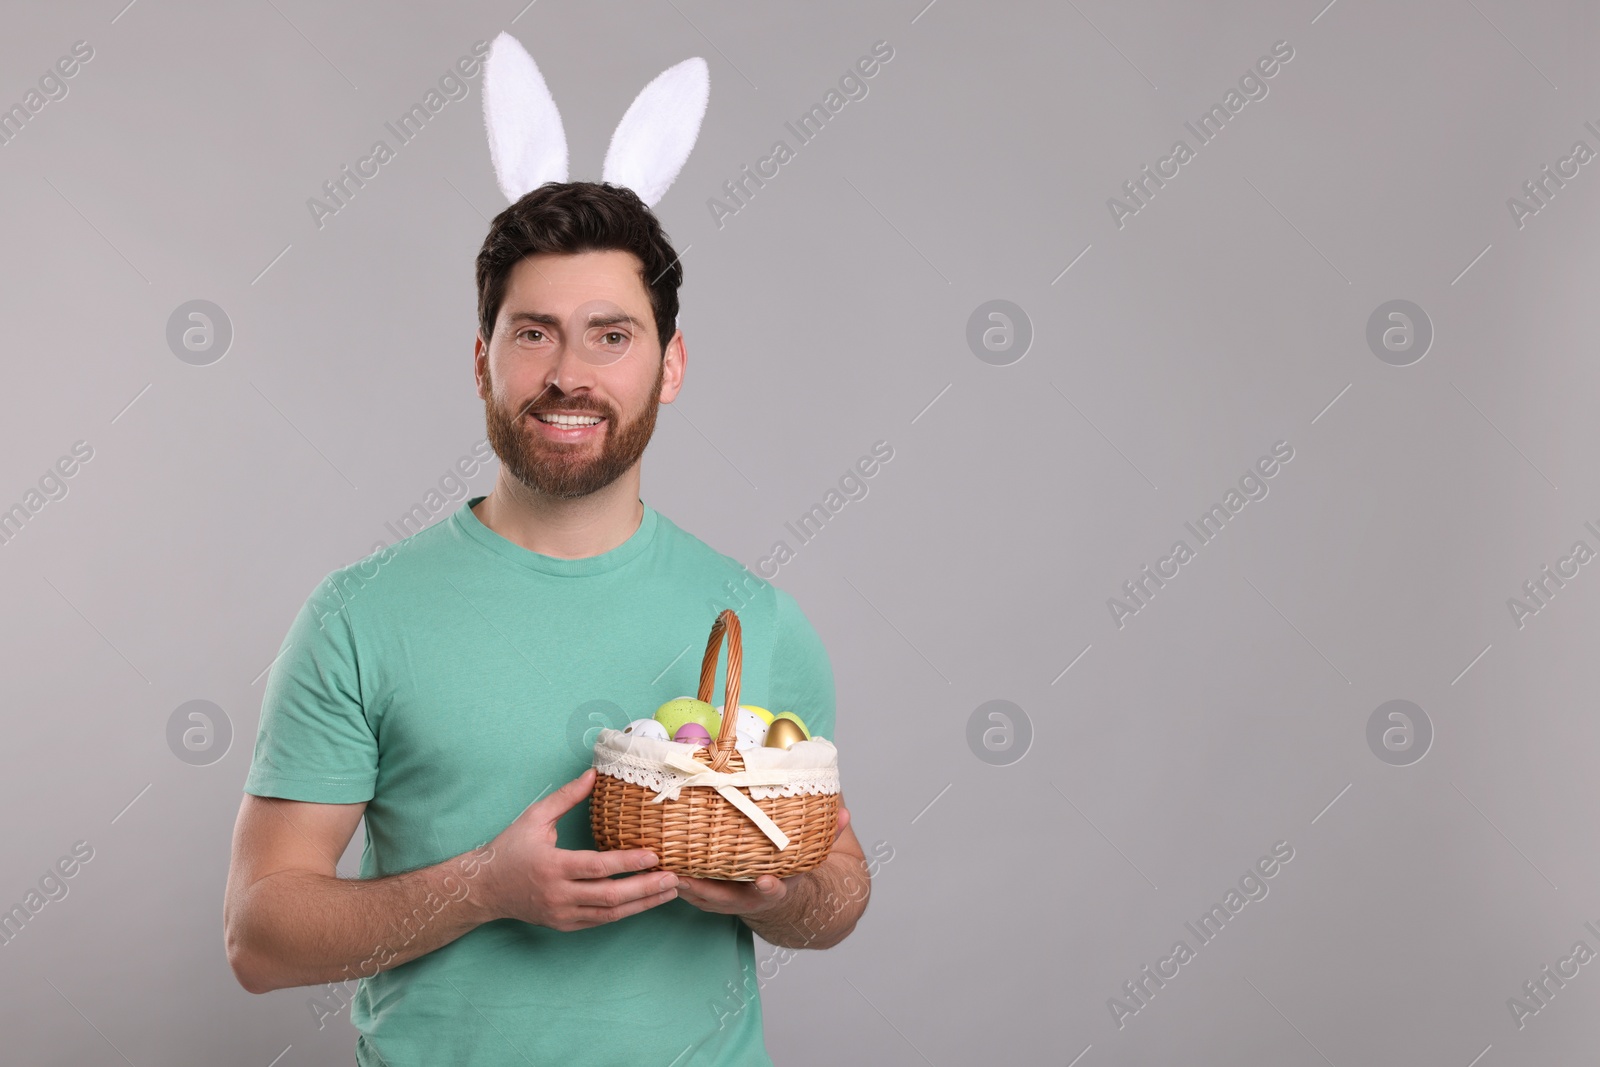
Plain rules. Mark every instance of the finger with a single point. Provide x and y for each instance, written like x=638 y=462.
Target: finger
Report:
x=771 y=887
x=616 y=892
x=705 y=903
x=566 y=798
x=721 y=894
x=844 y=820
x=580 y=863
x=598 y=916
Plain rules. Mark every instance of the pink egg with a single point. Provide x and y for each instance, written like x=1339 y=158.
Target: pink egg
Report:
x=692 y=733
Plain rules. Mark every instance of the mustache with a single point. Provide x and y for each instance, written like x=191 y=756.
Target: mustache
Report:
x=534 y=407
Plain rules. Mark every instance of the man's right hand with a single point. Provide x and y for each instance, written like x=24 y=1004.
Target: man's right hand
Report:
x=529 y=878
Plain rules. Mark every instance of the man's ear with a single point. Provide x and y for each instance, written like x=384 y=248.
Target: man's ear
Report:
x=480 y=365
x=676 y=357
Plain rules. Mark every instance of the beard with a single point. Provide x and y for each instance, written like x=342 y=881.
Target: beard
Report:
x=567 y=470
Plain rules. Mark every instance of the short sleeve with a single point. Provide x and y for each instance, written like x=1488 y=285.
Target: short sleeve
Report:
x=314 y=741
x=802 y=675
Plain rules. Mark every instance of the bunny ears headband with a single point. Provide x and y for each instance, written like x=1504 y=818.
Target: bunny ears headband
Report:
x=529 y=146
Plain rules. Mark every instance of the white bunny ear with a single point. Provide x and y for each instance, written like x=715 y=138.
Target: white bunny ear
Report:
x=658 y=131
x=527 y=142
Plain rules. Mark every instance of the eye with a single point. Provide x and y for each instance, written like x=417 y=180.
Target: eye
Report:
x=528 y=331
x=618 y=334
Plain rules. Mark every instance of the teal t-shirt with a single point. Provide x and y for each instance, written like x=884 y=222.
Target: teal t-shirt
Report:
x=453 y=678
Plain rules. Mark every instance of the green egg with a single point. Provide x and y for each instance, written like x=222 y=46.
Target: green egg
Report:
x=674 y=713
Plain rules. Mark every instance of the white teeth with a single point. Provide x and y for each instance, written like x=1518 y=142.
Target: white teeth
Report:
x=569 y=420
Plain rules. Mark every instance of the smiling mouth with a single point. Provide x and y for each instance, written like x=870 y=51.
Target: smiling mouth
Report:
x=569 y=421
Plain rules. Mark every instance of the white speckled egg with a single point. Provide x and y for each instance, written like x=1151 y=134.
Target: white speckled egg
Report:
x=750 y=729
x=646 y=728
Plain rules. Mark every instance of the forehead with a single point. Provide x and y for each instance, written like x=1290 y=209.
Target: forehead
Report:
x=559 y=282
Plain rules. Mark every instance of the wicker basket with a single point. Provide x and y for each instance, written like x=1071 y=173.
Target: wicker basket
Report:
x=701 y=833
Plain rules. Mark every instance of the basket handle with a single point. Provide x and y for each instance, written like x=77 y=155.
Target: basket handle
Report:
x=727 y=622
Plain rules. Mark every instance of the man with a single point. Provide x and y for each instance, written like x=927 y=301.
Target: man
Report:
x=442 y=688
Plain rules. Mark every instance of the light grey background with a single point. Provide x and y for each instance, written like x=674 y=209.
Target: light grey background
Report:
x=829 y=313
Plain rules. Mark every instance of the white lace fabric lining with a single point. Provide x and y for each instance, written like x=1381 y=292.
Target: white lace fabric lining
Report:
x=807 y=768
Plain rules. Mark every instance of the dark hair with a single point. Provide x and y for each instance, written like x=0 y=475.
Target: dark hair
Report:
x=571 y=217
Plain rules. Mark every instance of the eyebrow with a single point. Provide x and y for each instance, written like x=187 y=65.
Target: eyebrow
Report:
x=595 y=319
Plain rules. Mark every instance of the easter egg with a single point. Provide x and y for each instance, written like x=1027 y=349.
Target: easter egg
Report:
x=646 y=728
x=674 y=713
x=784 y=732
x=766 y=716
x=692 y=733
x=749 y=728
x=791 y=716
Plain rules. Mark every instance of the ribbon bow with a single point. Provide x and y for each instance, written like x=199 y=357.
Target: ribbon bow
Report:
x=724 y=782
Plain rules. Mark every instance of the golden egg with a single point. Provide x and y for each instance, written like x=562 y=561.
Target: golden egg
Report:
x=783 y=733
x=798 y=721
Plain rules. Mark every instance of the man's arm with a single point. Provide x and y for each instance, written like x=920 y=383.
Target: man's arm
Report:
x=817 y=909
x=290 y=921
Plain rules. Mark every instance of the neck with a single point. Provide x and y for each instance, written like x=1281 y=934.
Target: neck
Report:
x=565 y=529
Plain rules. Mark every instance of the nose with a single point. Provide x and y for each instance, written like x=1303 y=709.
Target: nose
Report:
x=569 y=371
